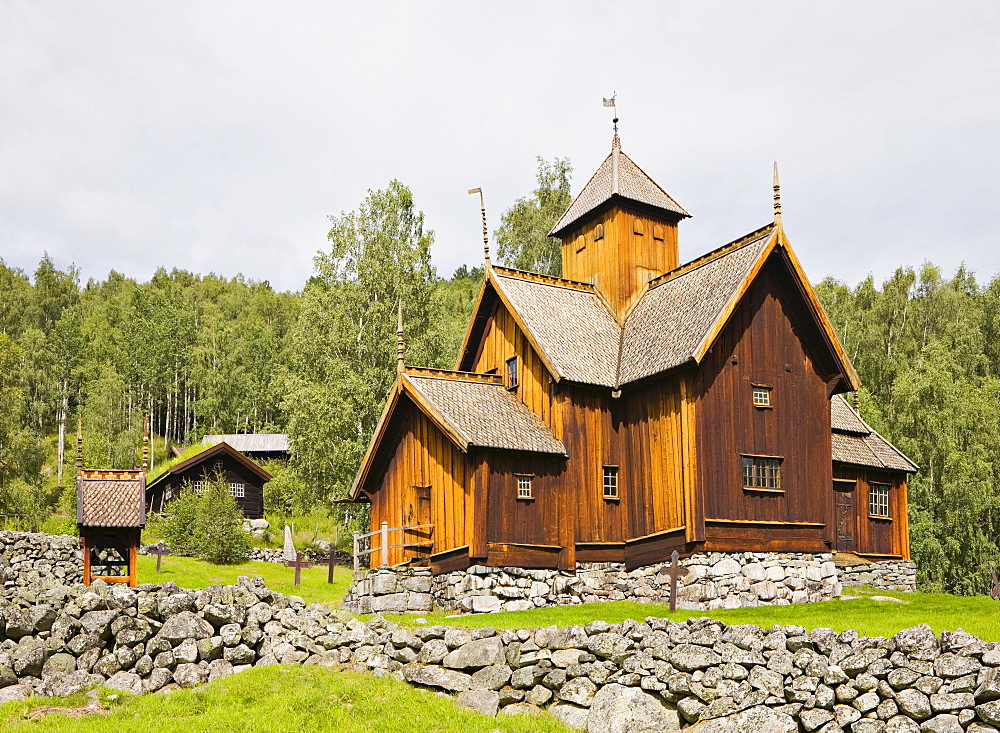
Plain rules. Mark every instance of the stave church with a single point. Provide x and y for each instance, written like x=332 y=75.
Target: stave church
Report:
x=636 y=406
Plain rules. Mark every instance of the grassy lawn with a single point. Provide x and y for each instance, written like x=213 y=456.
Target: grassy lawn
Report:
x=977 y=615
x=277 y=699
x=190 y=572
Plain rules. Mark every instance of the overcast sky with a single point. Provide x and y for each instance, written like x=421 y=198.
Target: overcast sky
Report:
x=217 y=136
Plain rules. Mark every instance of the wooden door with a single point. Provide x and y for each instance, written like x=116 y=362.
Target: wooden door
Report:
x=418 y=515
x=846 y=514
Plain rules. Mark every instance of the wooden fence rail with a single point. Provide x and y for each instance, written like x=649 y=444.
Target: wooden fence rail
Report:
x=384 y=546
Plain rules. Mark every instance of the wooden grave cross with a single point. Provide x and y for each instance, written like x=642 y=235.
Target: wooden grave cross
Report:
x=159 y=550
x=298 y=563
x=675 y=571
x=995 y=590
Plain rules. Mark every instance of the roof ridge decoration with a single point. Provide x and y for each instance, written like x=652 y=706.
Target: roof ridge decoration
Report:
x=453 y=374
x=561 y=282
x=711 y=255
x=618 y=176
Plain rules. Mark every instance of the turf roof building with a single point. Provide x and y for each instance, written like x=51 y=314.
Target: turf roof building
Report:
x=636 y=406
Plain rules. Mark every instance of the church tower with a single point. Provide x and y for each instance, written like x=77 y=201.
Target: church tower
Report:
x=620 y=232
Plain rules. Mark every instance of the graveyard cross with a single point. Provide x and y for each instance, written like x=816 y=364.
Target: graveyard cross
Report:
x=298 y=563
x=159 y=550
x=995 y=591
x=675 y=571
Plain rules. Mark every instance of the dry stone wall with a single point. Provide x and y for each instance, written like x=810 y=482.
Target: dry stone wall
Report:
x=26 y=557
x=603 y=678
x=886 y=575
x=714 y=580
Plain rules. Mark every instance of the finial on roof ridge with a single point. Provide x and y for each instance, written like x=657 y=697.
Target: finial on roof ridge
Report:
x=145 y=443
x=777 y=196
x=400 y=346
x=486 y=236
x=79 y=446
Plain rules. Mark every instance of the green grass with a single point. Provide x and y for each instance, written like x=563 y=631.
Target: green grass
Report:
x=977 y=614
x=278 y=699
x=191 y=572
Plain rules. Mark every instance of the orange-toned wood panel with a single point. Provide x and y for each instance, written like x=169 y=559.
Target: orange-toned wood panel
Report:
x=636 y=247
x=504 y=339
x=763 y=538
x=882 y=536
x=422 y=456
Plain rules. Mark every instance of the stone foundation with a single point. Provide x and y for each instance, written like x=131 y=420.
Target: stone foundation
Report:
x=715 y=580
x=26 y=557
x=886 y=575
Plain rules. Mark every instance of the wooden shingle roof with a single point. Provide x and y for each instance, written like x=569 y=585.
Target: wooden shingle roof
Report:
x=111 y=498
x=618 y=176
x=252 y=442
x=484 y=414
x=856 y=443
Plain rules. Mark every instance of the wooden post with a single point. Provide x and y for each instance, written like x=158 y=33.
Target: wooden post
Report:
x=330 y=563
x=357 y=563
x=384 y=535
x=675 y=570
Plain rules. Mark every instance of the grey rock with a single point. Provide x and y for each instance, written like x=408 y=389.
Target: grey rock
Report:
x=218 y=669
x=126 y=682
x=619 y=709
x=98 y=622
x=491 y=678
x=433 y=652
x=989 y=687
x=431 y=676
x=914 y=703
x=942 y=724
x=485 y=702
x=951 y=702
x=72 y=683
x=845 y=714
x=190 y=675
x=538 y=695
x=691 y=657
x=156 y=680
x=185 y=625
x=989 y=712
x=610 y=646
x=868 y=725
x=815 y=718
x=476 y=653
x=752 y=720
x=901 y=724
x=953 y=665
x=521 y=708
x=57 y=664
x=570 y=715
x=691 y=708
x=918 y=642
x=18 y=692
x=241 y=654
x=579 y=691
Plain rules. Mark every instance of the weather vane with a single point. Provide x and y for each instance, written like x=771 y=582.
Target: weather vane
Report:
x=611 y=103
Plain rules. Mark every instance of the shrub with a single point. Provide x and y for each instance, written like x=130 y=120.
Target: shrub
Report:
x=208 y=525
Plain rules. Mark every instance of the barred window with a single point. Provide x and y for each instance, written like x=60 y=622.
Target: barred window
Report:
x=523 y=486
x=611 y=482
x=200 y=486
x=878 y=500
x=761 y=396
x=238 y=490
x=761 y=473
x=218 y=464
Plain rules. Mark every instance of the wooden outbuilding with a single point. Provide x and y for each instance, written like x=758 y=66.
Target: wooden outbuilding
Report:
x=245 y=478
x=634 y=407
x=110 y=515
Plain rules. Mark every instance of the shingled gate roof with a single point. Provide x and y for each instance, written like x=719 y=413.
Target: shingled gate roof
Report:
x=856 y=443
x=486 y=415
x=631 y=183
x=111 y=498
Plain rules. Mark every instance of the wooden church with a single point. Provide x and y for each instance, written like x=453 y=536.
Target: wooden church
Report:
x=635 y=407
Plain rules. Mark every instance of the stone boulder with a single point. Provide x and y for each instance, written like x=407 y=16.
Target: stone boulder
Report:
x=619 y=709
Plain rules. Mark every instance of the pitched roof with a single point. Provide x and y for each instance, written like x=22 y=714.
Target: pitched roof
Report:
x=856 y=443
x=671 y=320
x=618 y=175
x=213 y=451
x=253 y=442
x=111 y=498
x=484 y=414
x=571 y=325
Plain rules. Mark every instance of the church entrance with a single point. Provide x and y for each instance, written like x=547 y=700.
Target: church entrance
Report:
x=843 y=493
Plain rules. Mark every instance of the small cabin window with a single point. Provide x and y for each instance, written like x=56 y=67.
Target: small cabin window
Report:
x=761 y=395
x=637 y=226
x=200 y=486
x=524 y=486
x=238 y=490
x=598 y=232
x=512 y=373
x=761 y=473
x=581 y=243
x=218 y=465
x=610 y=482
x=423 y=492
x=658 y=232
x=878 y=500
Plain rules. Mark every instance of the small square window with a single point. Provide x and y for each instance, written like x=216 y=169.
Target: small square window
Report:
x=761 y=396
x=218 y=465
x=512 y=373
x=200 y=486
x=761 y=473
x=524 y=487
x=878 y=500
x=610 y=482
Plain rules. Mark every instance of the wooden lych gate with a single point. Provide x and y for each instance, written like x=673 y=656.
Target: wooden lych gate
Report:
x=420 y=547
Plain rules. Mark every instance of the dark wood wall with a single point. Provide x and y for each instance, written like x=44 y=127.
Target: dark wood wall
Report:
x=875 y=536
x=769 y=340
x=251 y=504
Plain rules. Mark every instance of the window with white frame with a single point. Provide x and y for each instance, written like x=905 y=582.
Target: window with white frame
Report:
x=200 y=486
x=524 y=486
x=610 y=482
x=238 y=490
x=761 y=395
x=878 y=500
x=761 y=472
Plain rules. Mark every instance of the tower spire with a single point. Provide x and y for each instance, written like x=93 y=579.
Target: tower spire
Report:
x=400 y=348
x=616 y=143
x=79 y=446
x=777 y=197
x=486 y=236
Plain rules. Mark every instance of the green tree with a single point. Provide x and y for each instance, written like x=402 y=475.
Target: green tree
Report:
x=343 y=360
x=21 y=452
x=522 y=239
x=208 y=524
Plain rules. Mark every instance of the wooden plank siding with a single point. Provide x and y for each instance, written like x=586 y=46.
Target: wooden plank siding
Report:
x=502 y=339
x=626 y=258
x=769 y=340
x=875 y=536
x=422 y=456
